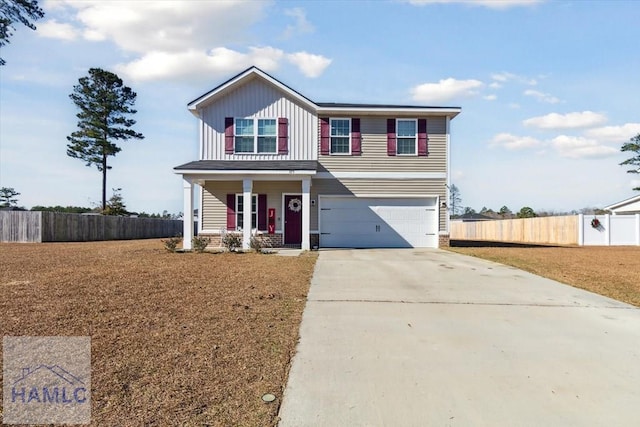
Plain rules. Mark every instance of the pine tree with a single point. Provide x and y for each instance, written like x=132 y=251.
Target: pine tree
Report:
x=106 y=105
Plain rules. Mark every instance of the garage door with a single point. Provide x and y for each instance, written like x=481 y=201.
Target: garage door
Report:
x=356 y=222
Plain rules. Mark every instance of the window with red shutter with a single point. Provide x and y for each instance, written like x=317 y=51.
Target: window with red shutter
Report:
x=422 y=138
x=228 y=135
x=324 y=136
x=356 y=145
x=391 y=137
x=283 y=136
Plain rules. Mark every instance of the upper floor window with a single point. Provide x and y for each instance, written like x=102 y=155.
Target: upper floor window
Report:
x=407 y=136
x=340 y=136
x=255 y=136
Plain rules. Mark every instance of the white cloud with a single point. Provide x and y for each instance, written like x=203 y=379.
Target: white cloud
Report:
x=301 y=25
x=183 y=39
x=619 y=134
x=541 y=96
x=513 y=142
x=514 y=105
x=495 y=85
x=445 y=90
x=55 y=30
x=575 y=120
x=142 y=26
x=309 y=64
x=504 y=77
x=576 y=147
x=491 y=97
x=493 y=4
x=218 y=62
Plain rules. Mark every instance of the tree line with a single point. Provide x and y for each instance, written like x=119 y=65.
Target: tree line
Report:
x=115 y=206
x=457 y=211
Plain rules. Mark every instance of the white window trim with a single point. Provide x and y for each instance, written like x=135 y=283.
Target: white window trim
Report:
x=235 y=209
x=332 y=136
x=255 y=136
x=415 y=149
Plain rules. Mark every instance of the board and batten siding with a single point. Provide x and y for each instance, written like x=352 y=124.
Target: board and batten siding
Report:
x=374 y=150
x=258 y=99
x=379 y=187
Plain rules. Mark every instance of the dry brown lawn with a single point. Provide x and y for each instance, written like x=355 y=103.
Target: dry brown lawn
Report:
x=612 y=271
x=177 y=339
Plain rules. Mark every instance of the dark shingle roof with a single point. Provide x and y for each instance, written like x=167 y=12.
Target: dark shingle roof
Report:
x=208 y=165
x=381 y=106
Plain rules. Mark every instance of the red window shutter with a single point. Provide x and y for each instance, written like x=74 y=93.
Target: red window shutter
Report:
x=324 y=135
x=228 y=135
x=391 y=137
x=231 y=212
x=283 y=137
x=262 y=212
x=422 y=138
x=356 y=147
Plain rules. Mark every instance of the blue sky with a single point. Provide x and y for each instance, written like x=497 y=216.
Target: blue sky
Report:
x=548 y=89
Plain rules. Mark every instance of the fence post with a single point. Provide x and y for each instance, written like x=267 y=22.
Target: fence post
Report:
x=580 y=230
x=637 y=229
x=607 y=229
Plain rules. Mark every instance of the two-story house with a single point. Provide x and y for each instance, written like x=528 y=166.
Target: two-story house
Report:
x=311 y=174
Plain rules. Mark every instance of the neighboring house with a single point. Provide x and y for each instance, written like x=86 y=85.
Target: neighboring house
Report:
x=626 y=207
x=308 y=174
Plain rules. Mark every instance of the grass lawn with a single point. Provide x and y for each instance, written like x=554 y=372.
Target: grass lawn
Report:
x=613 y=271
x=177 y=339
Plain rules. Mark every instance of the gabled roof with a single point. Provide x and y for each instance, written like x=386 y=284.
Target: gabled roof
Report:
x=628 y=201
x=249 y=73
x=321 y=107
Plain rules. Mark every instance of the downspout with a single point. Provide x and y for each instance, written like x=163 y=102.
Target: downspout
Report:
x=448 y=186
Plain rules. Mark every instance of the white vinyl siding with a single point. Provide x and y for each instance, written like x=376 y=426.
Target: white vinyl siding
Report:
x=261 y=100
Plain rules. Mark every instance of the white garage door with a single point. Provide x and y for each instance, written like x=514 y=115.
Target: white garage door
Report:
x=356 y=222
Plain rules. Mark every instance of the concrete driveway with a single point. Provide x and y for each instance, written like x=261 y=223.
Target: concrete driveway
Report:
x=432 y=338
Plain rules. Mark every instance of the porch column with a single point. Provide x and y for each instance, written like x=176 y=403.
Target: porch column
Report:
x=306 y=213
x=187 y=216
x=247 y=187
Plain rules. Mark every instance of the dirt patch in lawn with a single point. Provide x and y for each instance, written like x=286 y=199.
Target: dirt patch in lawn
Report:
x=177 y=339
x=612 y=271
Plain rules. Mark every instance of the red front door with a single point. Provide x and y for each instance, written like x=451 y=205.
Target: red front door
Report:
x=292 y=220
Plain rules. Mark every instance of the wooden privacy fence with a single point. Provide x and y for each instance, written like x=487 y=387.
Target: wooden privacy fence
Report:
x=27 y=226
x=552 y=230
x=611 y=230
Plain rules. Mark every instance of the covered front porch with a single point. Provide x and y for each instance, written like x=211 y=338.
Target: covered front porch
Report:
x=267 y=198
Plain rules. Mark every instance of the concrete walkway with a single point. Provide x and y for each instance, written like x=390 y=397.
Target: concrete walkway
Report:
x=433 y=338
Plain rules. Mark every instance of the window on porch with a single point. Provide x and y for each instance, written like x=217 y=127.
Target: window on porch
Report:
x=240 y=211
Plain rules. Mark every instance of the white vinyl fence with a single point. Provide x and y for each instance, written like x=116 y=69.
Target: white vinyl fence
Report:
x=613 y=230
